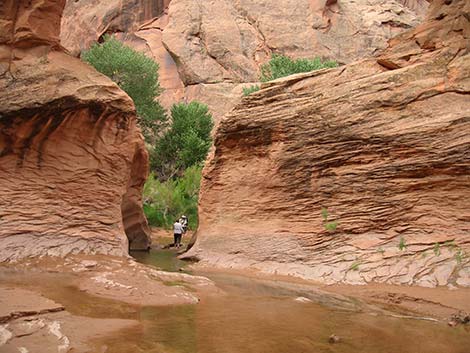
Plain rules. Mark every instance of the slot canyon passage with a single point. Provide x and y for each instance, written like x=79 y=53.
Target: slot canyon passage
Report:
x=333 y=207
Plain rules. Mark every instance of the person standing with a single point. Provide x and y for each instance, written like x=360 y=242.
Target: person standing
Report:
x=177 y=233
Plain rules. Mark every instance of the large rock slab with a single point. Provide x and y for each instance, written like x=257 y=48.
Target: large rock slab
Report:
x=72 y=159
x=383 y=144
x=18 y=303
x=225 y=42
x=35 y=325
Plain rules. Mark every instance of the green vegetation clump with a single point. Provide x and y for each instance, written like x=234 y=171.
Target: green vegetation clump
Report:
x=450 y=244
x=250 y=90
x=437 y=249
x=166 y=201
x=281 y=65
x=402 y=245
x=173 y=188
x=329 y=226
x=324 y=214
x=137 y=75
x=355 y=266
x=186 y=143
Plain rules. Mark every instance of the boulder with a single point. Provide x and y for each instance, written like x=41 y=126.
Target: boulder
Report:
x=72 y=159
x=383 y=144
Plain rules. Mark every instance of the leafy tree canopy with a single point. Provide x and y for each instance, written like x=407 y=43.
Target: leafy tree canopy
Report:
x=186 y=142
x=165 y=201
x=137 y=75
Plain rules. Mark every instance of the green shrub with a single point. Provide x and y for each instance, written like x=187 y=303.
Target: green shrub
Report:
x=186 y=143
x=324 y=214
x=250 y=90
x=137 y=75
x=164 y=202
x=331 y=226
x=280 y=66
x=402 y=245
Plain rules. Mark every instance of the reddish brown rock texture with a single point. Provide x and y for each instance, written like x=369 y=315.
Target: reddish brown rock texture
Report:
x=86 y=21
x=72 y=160
x=383 y=144
x=209 y=50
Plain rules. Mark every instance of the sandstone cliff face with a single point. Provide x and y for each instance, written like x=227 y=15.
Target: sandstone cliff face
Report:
x=209 y=50
x=72 y=160
x=85 y=21
x=383 y=144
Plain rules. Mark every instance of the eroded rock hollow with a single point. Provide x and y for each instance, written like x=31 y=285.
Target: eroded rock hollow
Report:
x=383 y=144
x=72 y=160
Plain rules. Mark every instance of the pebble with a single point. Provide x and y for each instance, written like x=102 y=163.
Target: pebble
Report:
x=334 y=339
x=89 y=263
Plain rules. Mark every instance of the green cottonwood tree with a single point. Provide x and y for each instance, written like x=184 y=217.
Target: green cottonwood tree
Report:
x=185 y=143
x=137 y=75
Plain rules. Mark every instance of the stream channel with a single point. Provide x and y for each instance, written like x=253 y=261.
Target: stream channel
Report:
x=256 y=316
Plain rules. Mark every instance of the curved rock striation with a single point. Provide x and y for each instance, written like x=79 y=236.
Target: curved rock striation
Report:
x=86 y=21
x=72 y=160
x=209 y=50
x=383 y=144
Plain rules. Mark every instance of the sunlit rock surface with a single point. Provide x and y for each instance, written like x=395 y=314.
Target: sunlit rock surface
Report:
x=72 y=160
x=383 y=144
x=209 y=50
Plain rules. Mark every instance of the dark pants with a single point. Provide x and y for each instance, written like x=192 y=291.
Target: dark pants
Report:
x=177 y=239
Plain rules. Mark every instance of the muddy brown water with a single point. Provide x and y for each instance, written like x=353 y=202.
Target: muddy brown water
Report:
x=254 y=316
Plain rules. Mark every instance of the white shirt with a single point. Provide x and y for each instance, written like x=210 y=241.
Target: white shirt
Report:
x=177 y=228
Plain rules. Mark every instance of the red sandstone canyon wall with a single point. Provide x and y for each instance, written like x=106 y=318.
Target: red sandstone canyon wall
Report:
x=382 y=143
x=210 y=50
x=72 y=160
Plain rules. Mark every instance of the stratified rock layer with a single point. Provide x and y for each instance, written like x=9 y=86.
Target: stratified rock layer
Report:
x=86 y=21
x=208 y=50
x=383 y=144
x=72 y=160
